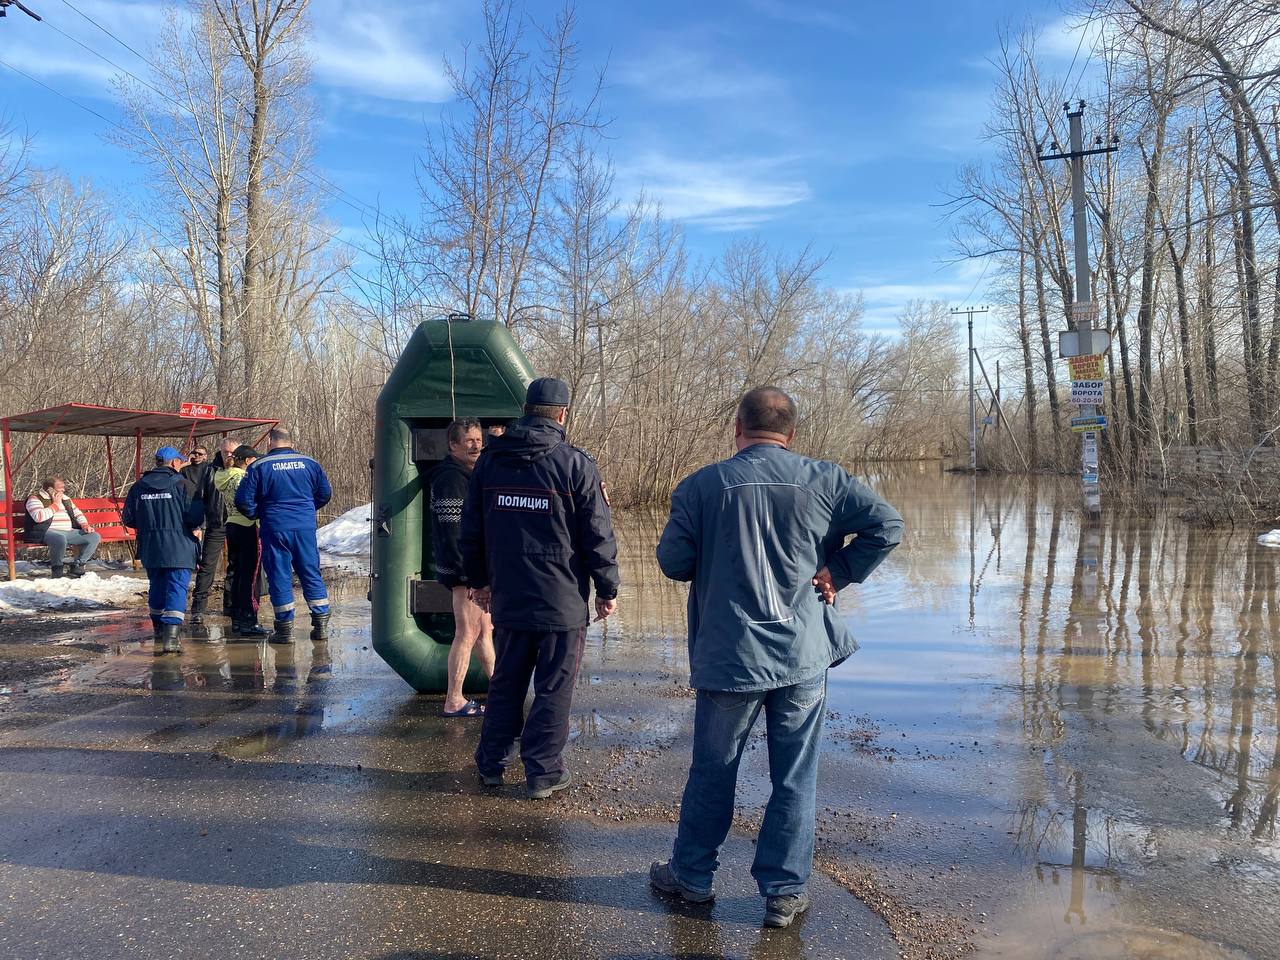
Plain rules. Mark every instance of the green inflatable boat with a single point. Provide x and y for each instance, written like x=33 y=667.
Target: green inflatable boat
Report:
x=450 y=368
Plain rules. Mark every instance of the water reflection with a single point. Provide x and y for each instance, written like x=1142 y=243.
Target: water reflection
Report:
x=1119 y=672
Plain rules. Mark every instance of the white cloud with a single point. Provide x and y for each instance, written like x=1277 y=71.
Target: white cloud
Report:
x=885 y=297
x=809 y=14
x=729 y=194
x=46 y=54
x=391 y=52
x=678 y=72
x=1067 y=39
x=378 y=51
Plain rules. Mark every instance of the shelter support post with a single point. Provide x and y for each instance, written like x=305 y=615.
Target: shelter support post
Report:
x=8 y=497
x=111 y=470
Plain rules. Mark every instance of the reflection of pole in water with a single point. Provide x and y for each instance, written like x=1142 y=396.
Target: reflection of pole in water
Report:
x=973 y=522
x=1079 y=837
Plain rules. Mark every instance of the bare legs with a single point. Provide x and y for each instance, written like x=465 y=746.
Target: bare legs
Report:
x=473 y=633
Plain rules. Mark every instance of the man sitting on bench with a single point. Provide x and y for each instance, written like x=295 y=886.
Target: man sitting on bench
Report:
x=52 y=519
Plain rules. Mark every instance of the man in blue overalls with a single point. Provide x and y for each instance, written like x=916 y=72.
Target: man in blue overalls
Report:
x=282 y=491
x=164 y=510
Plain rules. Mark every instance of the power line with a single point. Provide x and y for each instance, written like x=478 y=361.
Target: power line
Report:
x=316 y=180
x=132 y=135
x=105 y=30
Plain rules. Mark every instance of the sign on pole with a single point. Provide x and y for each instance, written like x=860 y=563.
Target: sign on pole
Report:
x=1088 y=367
x=1087 y=393
x=1088 y=424
x=203 y=411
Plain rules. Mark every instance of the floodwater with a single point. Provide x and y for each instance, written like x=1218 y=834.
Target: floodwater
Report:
x=1087 y=719
x=1066 y=728
x=1059 y=740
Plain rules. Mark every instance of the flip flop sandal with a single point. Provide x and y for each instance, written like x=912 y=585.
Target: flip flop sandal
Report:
x=468 y=709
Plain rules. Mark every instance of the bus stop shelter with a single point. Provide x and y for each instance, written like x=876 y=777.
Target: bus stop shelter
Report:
x=86 y=419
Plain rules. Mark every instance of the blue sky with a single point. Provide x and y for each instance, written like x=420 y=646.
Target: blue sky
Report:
x=835 y=124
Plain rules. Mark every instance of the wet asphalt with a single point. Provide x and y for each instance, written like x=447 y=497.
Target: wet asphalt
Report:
x=265 y=801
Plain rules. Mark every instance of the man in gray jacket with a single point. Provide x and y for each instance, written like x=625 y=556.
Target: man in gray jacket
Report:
x=761 y=536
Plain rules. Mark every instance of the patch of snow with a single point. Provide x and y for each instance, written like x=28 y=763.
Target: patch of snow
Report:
x=345 y=542
x=89 y=592
x=1271 y=539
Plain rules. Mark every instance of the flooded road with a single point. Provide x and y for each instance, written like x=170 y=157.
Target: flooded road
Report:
x=1057 y=741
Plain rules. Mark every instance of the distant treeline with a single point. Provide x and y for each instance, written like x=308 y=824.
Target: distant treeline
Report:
x=223 y=283
x=1185 y=225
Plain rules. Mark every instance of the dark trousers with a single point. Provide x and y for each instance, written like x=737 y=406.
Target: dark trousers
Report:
x=210 y=555
x=551 y=659
x=244 y=554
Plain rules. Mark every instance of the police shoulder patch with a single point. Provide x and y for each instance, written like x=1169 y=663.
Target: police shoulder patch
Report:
x=584 y=453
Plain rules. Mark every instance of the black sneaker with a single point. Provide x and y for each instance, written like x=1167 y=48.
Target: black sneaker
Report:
x=780 y=911
x=662 y=878
x=541 y=793
x=249 y=631
x=76 y=570
x=57 y=573
x=491 y=779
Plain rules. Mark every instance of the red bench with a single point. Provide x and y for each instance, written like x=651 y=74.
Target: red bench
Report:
x=103 y=514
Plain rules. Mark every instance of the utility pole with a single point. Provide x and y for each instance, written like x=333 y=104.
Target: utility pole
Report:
x=1084 y=346
x=973 y=410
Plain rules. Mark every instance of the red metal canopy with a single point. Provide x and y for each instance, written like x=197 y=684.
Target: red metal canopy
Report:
x=87 y=419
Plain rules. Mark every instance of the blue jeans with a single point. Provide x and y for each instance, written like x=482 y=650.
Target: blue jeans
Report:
x=793 y=726
x=58 y=540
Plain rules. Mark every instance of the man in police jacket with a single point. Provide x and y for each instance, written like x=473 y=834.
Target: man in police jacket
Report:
x=536 y=537
x=164 y=510
x=282 y=491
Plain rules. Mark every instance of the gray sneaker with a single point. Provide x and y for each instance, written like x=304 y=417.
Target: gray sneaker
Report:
x=780 y=911
x=662 y=878
x=541 y=793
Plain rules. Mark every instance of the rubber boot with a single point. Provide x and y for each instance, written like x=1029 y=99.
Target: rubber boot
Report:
x=169 y=634
x=248 y=629
x=282 y=632
x=319 y=627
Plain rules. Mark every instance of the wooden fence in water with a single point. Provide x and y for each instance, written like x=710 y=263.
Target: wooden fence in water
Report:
x=1215 y=466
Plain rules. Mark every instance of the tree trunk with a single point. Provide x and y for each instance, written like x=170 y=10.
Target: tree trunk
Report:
x=1028 y=365
x=1147 y=295
x=1042 y=312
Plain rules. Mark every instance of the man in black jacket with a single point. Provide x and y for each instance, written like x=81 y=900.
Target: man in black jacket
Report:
x=164 y=511
x=536 y=536
x=472 y=627
x=200 y=473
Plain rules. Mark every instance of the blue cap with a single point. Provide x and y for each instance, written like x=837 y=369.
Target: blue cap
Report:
x=166 y=454
x=547 y=391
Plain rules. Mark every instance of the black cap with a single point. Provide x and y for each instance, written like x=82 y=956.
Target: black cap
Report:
x=244 y=452
x=548 y=392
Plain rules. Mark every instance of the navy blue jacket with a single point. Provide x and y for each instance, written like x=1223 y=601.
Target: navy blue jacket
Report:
x=448 y=491
x=164 y=510
x=751 y=532
x=283 y=489
x=536 y=528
